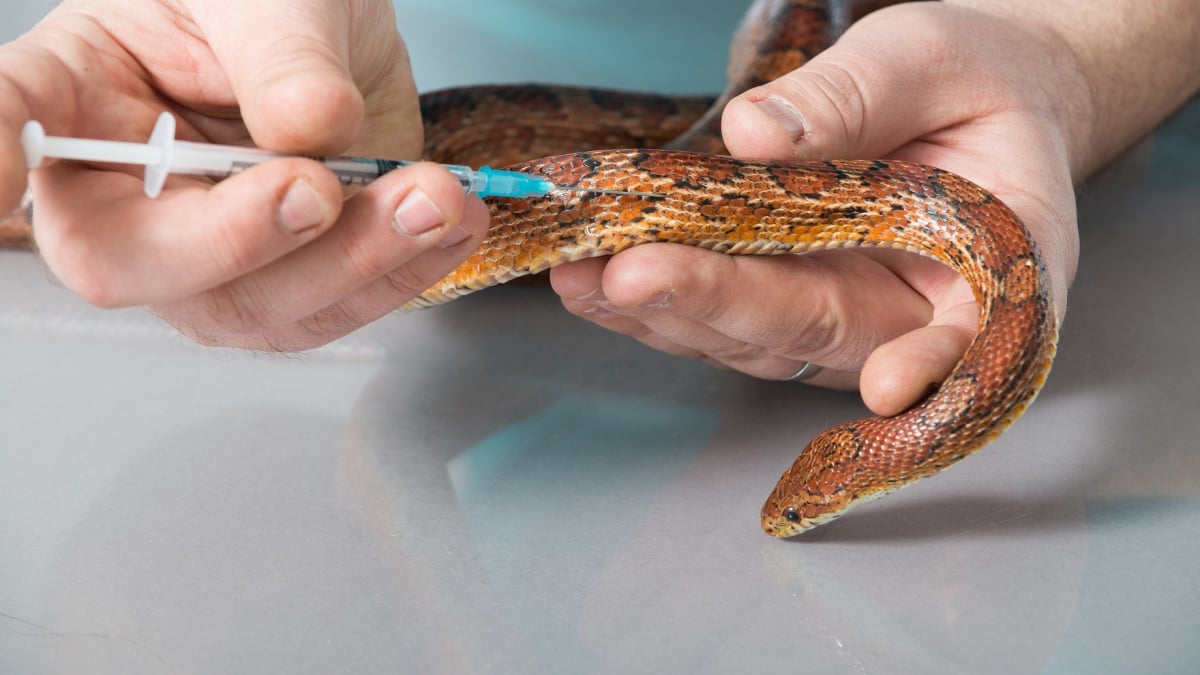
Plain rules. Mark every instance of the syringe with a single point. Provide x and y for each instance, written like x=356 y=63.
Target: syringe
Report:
x=163 y=155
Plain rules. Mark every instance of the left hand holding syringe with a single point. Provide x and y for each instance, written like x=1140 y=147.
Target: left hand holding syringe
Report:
x=162 y=156
x=274 y=257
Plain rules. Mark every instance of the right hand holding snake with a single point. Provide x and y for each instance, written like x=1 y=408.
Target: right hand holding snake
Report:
x=1004 y=93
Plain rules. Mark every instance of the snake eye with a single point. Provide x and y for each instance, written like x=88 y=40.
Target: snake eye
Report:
x=791 y=515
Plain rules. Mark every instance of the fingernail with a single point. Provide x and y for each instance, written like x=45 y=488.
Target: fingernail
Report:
x=301 y=209
x=786 y=115
x=417 y=214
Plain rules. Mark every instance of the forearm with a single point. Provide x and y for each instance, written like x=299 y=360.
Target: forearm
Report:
x=1138 y=61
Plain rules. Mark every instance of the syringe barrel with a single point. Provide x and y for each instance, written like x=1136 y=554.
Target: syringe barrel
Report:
x=215 y=160
x=162 y=155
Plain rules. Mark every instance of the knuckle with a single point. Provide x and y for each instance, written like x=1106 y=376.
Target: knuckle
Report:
x=838 y=333
x=237 y=309
x=299 y=338
x=824 y=333
x=406 y=281
x=362 y=262
x=185 y=320
x=707 y=292
x=323 y=326
x=711 y=312
x=204 y=338
x=736 y=352
x=83 y=269
x=839 y=94
x=820 y=330
x=230 y=250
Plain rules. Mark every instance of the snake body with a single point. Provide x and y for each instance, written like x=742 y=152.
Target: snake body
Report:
x=754 y=208
x=744 y=207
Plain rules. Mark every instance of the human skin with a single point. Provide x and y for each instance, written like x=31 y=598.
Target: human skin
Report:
x=273 y=258
x=1025 y=98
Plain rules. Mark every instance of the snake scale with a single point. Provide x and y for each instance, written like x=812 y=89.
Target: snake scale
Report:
x=745 y=207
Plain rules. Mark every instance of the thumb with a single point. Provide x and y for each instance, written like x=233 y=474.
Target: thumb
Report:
x=871 y=92
x=288 y=65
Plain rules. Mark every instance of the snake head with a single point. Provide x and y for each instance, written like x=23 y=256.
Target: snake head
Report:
x=832 y=475
x=789 y=512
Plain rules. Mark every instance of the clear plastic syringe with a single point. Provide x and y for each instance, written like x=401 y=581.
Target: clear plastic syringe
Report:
x=163 y=155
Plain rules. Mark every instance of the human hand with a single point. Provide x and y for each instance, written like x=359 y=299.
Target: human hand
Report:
x=990 y=98
x=273 y=258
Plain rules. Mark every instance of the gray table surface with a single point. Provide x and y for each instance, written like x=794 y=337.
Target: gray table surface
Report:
x=417 y=498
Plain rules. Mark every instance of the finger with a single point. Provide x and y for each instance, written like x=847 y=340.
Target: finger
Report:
x=33 y=85
x=755 y=314
x=881 y=85
x=403 y=283
x=114 y=247
x=13 y=115
x=683 y=337
x=394 y=239
x=580 y=285
x=742 y=357
x=288 y=63
x=902 y=372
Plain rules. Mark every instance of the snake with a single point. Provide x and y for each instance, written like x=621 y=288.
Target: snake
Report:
x=668 y=150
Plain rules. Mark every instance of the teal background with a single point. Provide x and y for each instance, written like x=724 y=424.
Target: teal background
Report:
x=667 y=46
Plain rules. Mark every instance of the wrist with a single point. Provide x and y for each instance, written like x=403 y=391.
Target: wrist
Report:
x=1133 y=62
x=1056 y=76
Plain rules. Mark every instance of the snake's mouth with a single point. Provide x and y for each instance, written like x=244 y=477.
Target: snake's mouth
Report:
x=782 y=518
x=792 y=509
x=779 y=529
x=784 y=524
x=793 y=521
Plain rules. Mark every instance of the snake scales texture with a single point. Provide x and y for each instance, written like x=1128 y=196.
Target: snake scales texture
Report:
x=745 y=207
